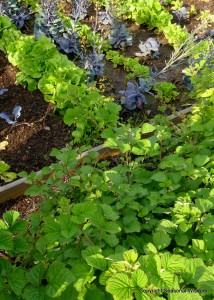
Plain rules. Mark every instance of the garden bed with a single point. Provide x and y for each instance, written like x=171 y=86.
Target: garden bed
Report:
x=133 y=218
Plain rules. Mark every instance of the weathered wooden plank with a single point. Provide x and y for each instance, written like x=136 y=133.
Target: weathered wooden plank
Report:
x=17 y=188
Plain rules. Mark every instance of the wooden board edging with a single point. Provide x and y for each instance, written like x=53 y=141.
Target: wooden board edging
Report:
x=18 y=187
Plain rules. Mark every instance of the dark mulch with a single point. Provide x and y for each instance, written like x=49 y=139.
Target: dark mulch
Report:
x=29 y=144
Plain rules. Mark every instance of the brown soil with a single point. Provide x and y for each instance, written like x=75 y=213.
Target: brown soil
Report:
x=29 y=146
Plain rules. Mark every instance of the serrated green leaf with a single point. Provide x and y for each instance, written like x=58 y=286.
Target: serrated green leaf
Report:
x=6 y=241
x=52 y=230
x=149 y=248
x=181 y=239
x=150 y=264
x=205 y=205
x=161 y=240
x=207 y=279
x=34 y=293
x=130 y=256
x=165 y=280
x=120 y=286
x=3 y=225
x=200 y=160
x=97 y=261
x=146 y=128
x=209 y=240
x=159 y=176
x=68 y=228
x=167 y=226
x=185 y=295
x=35 y=275
x=111 y=227
x=59 y=278
x=10 y=217
x=96 y=294
x=20 y=244
x=194 y=268
x=173 y=263
x=198 y=245
x=109 y=212
x=111 y=239
x=19 y=226
x=139 y=278
x=17 y=280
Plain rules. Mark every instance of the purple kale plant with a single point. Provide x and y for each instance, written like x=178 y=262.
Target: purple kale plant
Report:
x=93 y=63
x=133 y=96
x=15 y=10
x=120 y=37
x=79 y=11
x=48 y=23
x=181 y=14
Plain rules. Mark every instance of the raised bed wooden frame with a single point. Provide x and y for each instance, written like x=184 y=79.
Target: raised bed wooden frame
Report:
x=18 y=187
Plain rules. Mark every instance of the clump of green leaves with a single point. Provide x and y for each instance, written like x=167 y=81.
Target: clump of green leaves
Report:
x=166 y=91
x=6 y=175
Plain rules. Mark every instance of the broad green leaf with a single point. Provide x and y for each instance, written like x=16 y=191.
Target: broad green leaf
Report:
x=20 y=244
x=173 y=263
x=96 y=294
x=159 y=176
x=6 y=241
x=34 y=293
x=111 y=239
x=209 y=240
x=81 y=269
x=167 y=226
x=198 y=245
x=97 y=261
x=19 y=226
x=35 y=275
x=139 y=278
x=165 y=280
x=161 y=240
x=205 y=205
x=120 y=286
x=59 y=278
x=83 y=211
x=185 y=295
x=109 y=212
x=150 y=264
x=3 y=225
x=200 y=160
x=91 y=250
x=207 y=279
x=111 y=227
x=68 y=228
x=130 y=256
x=146 y=128
x=10 y=217
x=149 y=248
x=194 y=268
x=17 y=280
x=52 y=230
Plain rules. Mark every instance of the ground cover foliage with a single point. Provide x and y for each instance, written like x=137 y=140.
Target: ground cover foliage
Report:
x=140 y=229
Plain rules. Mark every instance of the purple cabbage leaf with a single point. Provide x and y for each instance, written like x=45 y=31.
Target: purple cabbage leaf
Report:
x=16 y=10
x=120 y=37
x=2 y=91
x=16 y=112
x=181 y=14
x=149 y=47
